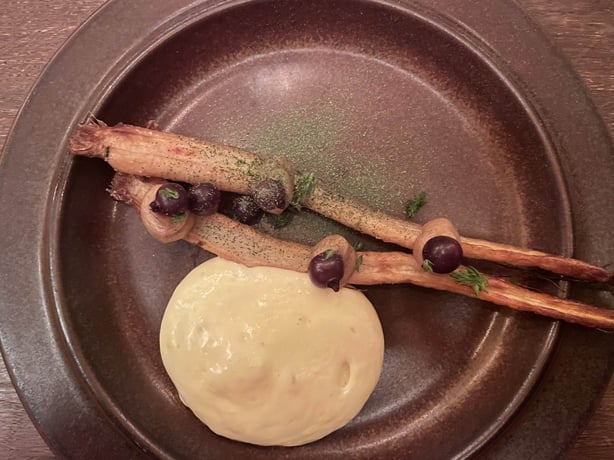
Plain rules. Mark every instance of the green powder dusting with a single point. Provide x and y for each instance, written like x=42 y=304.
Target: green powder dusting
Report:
x=319 y=138
x=322 y=137
x=367 y=185
x=307 y=136
x=310 y=137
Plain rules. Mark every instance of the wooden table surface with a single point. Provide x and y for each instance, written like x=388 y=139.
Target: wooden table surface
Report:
x=31 y=31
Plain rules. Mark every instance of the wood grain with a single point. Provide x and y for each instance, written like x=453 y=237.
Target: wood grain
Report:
x=31 y=31
x=584 y=30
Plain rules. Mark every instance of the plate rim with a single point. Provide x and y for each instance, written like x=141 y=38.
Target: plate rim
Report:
x=10 y=346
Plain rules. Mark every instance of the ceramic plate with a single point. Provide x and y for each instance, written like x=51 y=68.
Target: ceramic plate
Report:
x=381 y=100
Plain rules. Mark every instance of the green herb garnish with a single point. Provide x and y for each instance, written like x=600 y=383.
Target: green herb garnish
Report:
x=414 y=204
x=358 y=246
x=427 y=265
x=169 y=193
x=279 y=220
x=180 y=218
x=303 y=187
x=329 y=253
x=358 y=263
x=471 y=277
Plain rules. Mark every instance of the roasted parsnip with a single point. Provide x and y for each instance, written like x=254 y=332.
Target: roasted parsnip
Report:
x=240 y=243
x=145 y=152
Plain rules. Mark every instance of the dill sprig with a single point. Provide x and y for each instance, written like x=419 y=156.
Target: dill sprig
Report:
x=471 y=277
x=414 y=204
x=303 y=187
x=427 y=265
x=169 y=193
x=358 y=263
x=279 y=221
x=179 y=218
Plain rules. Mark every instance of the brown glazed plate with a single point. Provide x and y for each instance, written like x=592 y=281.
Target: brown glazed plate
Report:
x=467 y=101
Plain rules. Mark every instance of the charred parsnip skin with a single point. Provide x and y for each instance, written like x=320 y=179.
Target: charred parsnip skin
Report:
x=342 y=247
x=150 y=153
x=240 y=243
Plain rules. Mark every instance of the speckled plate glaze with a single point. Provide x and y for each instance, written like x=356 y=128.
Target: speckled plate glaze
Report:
x=381 y=99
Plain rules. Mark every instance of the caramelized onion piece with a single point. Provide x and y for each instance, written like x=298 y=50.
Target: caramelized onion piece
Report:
x=344 y=249
x=164 y=228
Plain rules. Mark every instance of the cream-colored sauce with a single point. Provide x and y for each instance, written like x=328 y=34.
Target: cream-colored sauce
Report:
x=263 y=356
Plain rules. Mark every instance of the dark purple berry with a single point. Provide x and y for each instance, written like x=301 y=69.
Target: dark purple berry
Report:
x=326 y=270
x=270 y=195
x=245 y=209
x=444 y=253
x=204 y=199
x=171 y=200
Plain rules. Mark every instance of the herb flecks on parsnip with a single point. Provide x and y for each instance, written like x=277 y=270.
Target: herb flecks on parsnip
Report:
x=234 y=241
x=150 y=153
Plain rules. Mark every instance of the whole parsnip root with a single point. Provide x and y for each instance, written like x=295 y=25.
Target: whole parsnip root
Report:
x=144 y=152
x=240 y=243
x=150 y=153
